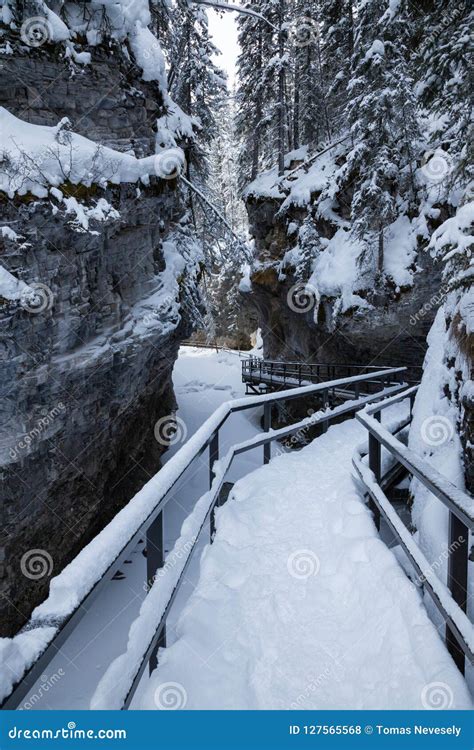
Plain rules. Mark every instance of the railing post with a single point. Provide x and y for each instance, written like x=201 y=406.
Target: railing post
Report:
x=155 y=558
x=267 y=423
x=356 y=391
x=457 y=579
x=412 y=403
x=375 y=464
x=325 y=395
x=213 y=456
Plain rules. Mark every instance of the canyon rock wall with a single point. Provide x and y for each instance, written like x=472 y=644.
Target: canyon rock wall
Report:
x=87 y=374
x=391 y=330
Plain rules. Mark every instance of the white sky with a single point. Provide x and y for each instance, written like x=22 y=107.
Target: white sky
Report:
x=223 y=29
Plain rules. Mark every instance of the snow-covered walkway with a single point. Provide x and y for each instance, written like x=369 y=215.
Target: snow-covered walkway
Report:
x=299 y=604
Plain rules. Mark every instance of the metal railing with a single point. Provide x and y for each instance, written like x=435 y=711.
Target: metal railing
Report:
x=276 y=374
x=162 y=485
x=450 y=600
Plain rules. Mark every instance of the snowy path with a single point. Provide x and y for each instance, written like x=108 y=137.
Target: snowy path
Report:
x=300 y=605
x=203 y=380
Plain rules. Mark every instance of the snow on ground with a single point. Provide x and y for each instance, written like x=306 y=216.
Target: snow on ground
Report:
x=203 y=381
x=300 y=604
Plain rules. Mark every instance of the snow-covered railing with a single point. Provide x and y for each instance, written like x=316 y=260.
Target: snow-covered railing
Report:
x=74 y=590
x=450 y=600
x=257 y=372
x=119 y=684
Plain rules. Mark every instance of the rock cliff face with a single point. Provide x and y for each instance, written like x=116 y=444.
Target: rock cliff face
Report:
x=86 y=374
x=298 y=324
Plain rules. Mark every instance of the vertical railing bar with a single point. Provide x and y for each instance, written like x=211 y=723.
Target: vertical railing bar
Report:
x=155 y=558
x=375 y=465
x=267 y=423
x=213 y=456
x=457 y=579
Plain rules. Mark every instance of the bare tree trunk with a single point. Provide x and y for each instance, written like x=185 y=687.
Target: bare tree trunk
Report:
x=380 y=258
x=281 y=91
x=350 y=14
x=296 y=107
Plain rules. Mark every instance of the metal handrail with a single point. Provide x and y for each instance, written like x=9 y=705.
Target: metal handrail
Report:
x=314 y=420
x=450 y=600
x=168 y=476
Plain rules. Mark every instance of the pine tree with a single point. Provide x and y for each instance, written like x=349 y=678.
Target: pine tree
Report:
x=310 y=114
x=443 y=63
x=337 y=35
x=257 y=90
x=383 y=125
x=196 y=83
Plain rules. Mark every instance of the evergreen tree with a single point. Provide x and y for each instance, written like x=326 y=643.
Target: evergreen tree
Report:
x=337 y=35
x=381 y=116
x=257 y=90
x=310 y=113
x=195 y=82
x=443 y=64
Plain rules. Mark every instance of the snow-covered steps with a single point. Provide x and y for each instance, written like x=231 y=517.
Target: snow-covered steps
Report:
x=301 y=605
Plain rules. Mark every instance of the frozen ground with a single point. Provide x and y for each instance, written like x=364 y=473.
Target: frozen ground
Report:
x=203 y=381
x=300 y=605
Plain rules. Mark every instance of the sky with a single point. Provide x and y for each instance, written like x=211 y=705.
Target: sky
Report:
x=223 y=29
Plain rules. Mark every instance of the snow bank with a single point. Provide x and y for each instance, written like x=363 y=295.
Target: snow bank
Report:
x=39 y=157
x=12 y=288
x=434 y=435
